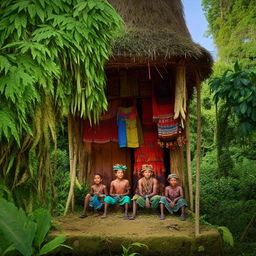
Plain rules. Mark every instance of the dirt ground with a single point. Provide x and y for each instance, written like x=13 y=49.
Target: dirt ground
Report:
x=114 y=225
x=93 y=236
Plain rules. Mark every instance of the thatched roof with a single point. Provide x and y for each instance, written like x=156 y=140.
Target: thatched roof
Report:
x=156 y=28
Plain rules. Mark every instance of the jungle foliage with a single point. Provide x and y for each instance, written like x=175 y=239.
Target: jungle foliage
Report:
x=23 y=234
x=228 y=109
x=52 y=56
x=232 y=25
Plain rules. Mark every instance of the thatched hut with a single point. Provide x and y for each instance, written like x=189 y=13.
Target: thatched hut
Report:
x=154 y=68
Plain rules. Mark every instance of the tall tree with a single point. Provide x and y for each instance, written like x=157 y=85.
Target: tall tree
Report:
x=232 y=24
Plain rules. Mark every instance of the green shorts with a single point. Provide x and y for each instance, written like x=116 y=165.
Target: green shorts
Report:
x=120 y=200
x=141 y=201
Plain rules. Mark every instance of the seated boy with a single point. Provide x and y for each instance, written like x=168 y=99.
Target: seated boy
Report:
x=96 y=195
x=173 y=199
x=119 y=191
x=147 y=191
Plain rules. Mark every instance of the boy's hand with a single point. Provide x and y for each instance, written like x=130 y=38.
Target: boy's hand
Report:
x=147 y=203
x=172 y=204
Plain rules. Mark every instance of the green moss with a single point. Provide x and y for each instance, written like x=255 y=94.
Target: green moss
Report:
x=207 y=245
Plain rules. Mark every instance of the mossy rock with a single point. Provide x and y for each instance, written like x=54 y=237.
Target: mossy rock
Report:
x=95 y=236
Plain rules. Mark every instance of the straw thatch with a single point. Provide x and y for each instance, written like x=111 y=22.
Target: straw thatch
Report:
x=156 y=29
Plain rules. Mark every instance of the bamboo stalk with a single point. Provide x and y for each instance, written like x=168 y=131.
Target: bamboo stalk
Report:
x=188 y=157
x=198 y=153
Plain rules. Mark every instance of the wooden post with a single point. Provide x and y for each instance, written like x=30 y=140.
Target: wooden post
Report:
x=198 y=155
x=188 y=157
x=177 y=166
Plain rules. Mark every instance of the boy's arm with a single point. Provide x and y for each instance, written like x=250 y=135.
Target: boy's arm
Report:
x=179 y=197
x=91 y=191
x=127 y=188
x=155 y=186
x=166 y=193
x=111 y=191
x=140 y=188
x=105 y=192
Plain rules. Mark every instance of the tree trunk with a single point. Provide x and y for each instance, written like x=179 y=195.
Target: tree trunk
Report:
x=72 y=163
x=188 y=157
x=198 y=155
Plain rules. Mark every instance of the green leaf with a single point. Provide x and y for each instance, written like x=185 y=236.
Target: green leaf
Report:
x=16 y=227
x=243 y=107
x=55 y=243
x=43 y=220
x=226 y=235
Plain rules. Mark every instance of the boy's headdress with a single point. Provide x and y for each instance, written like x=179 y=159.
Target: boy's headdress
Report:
x=119 y=167
x=147 y=167
x=172 y=175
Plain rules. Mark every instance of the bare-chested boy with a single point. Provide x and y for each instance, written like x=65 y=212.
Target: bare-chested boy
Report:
x=96 y=195
x=147 y=191
x=119 y=191
x=173 y=199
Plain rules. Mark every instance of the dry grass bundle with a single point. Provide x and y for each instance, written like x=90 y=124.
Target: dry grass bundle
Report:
x=157 y=28
x=180 y=105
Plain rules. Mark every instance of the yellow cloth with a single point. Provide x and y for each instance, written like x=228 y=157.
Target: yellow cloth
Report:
x=132 y=134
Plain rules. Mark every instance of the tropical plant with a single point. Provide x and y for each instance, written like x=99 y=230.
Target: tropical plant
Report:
x=26 y=233
x=52 y=56
x=127 y=250
x=238 y=90
x=226 y=235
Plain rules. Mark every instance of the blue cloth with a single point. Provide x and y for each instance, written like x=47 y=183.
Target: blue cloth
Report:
x=95 y=202
x=121 y=123
x=181 y=202
x=120 y=200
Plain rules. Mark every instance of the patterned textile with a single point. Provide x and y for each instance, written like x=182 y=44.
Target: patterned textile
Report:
x=149 y=153
x=96 y=202
x=170 y=133
x=181 y=202
x=154 y=201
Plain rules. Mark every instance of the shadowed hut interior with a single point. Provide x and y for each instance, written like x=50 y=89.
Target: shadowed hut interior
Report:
x=150 y=81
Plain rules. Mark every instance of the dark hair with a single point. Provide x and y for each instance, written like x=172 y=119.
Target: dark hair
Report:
x=98 y=175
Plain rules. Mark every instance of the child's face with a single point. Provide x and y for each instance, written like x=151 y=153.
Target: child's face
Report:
x=147 y=174
x=173 y=182
x=97 y=179
x=119 y=174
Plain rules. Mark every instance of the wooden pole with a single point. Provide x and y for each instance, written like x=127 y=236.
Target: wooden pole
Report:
x=176 y=162
x=198 y=153
x=188 y=157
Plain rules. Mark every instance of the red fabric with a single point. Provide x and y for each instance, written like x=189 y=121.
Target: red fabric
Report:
x=103 y=132
x=149 y=153
x=162 y=110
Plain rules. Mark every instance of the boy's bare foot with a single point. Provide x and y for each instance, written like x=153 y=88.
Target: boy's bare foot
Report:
x=162 y=217
x=83 y=216
x=182 y=217
x=132 y=218
x=96 y=214
x=103 y=216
